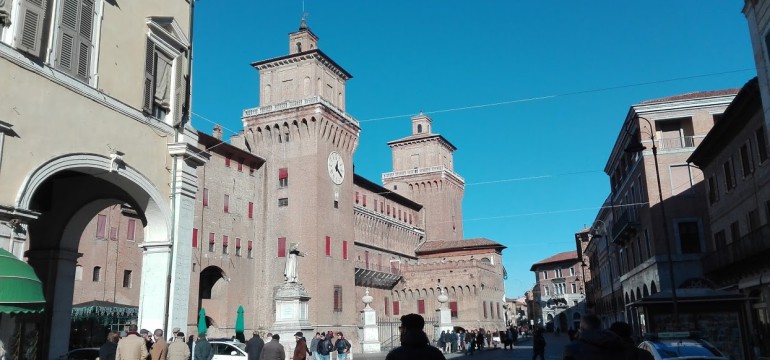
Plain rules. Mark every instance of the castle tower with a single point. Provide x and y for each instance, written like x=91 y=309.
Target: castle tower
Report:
x=307 y=141
x=423 y=170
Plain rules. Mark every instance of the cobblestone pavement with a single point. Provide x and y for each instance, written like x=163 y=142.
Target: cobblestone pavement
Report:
x=522 y=351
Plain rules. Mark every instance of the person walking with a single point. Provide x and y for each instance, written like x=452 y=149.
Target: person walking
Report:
x=594 y=343
x=177 y=349
x=273 y=350
x=254 y=346
x=107 y=351
x=538 y=345
x=300 y=350
x=203 y=349
x=159 y=348
x=131 y=347
x=314 y=345
x=470 y=337
x=414 y=341
x=343 y=347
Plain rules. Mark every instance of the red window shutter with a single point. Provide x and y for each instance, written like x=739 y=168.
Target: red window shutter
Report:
x=453 y=308
x=283 y=173
x=364 y=200
x=225 y=240
x=240 y=164
x=211 y=239
x=421 y=306
x=227 y=203
x=344 y=249
x=195 y=238
x=396 y=308
x=251 y=210
x=387 y=302
x=238 y=242
x=131 y=229
x=205 y=197
x=281 y=247
x=101 y=224
x=251 y=244
x=356 y=197
x=328 y=246
x=227 y=160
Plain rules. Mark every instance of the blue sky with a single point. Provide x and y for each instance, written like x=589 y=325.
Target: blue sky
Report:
x=592 y=60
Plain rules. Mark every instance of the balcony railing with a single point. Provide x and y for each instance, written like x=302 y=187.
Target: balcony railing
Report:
x=681 y=142
x=377 y=276
x=626 y=225
x=289 y=104
x=753 y=244
x=422 y=170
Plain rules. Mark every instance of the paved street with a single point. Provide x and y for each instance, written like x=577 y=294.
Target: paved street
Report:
x=523 y=350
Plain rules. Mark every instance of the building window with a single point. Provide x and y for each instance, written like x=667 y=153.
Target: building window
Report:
x=689 y=239
x=729 y=175
x=484 y=305
x=212 y=242
x=356 y=197
x=101 y=225
x=574 y=288
x=283 y=177
x=127 y=275
x=396 y=308
x=336 y=204
x=251 y=210
x=364 y=200
x=131 y=229
x=283 y=202
x=240 y=164
x=558 y=273
x=761 y=144
x=252 y=168
x=753 y=220
x=735 y=231
x=250 y=249
x=205 y=197
x=421 y=306
x=97 y=276
x=647 y=243
x=713 y=190
x=227 y=204
x=237 y=246
x=75 y=37
x=337 y=298
x=227 y=160
x=78 y=273
x=545 y=275
x=162 y=93
x=748 y=167
x=113 y=233
x=453 y=309
x=225 y=244
x=281 y=247
x=195 y=238
x=328 y=246
x=344 y=249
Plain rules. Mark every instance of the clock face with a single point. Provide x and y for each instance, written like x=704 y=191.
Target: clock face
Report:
x=336 y=167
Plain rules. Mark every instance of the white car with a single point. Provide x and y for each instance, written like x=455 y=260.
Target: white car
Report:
x=672 y=346
x=228 y=350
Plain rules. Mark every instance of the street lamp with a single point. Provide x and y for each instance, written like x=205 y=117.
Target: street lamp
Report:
x=637 y=148
x=610 y=254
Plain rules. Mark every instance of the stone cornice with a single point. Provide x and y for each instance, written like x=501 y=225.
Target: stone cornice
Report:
x=360 y=210
x=189 y=152
x=417 y=140
x=314 y=54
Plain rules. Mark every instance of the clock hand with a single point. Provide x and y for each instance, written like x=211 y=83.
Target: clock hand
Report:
x=337 y=168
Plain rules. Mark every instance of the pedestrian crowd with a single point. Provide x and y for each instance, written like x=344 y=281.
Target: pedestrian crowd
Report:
x=468 y=341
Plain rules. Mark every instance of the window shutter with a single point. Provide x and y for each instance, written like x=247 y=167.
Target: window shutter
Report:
x=281 y=247
x=238 y=242
x=75 y=38
x=149 y=86
x=225 y=240
x=85 y=35
x=396 y=308
x=179 y=91
x=32 y=13
x=251 y=244
x=131 y=229
x=195 y=238
x=344 y=250
x=211 y=239
x=328 y=246
x=421 y=306
x=68 y=36
x=283 y=173
x=101 y=223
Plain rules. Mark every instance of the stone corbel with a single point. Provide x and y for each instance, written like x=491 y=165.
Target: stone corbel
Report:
x=189 y=153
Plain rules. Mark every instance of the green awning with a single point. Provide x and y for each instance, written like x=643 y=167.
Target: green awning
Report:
x=20 y=289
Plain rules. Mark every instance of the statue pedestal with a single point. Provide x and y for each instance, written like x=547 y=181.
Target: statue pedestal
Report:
x=291 y=314
x=370 y=342
x=444 y=316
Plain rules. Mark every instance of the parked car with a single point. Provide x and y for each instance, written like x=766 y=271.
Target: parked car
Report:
x=228 y=350
x=683 y=345
x=82 y=354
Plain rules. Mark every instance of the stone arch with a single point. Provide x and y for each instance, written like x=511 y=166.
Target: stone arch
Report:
x=304 y=127
x=638 y=293
x=424 y=293
x=277 y=133
x=212 y=291
x=475 y=291
x=411 y=295
x=645 y=292
x=628 y=301
x=295 y=129
x=653 y=287
x=453 y=291
x=268 y=135
x=411 y=188
x=432 y=292
x=285 y=132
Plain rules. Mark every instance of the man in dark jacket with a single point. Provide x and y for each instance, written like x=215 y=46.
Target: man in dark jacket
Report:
x=254 y=346
x=414 y=342
x=203 y=349
x=594 y=343
x=325 y=347
x=273 y=350
x=107 y=351
x=300 y=350
x=538 y=345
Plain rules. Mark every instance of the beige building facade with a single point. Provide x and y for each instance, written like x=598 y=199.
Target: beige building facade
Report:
x=559 y=296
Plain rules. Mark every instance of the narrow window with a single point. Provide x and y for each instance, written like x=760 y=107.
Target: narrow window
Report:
x=453 y=309
x=237 y=246
x=396 y=308
x=356 y=197
x=364 y=200
x=735 y=231
x=212 y=242
x=328 y=246
x=227 y=203
x=713 y=190
x=484 y=305
x=283 y=177
x=421 y=306
x=240 y=164
x=337 y=298
x=344 y=249
x=336 y=204
x=225 y=244
x=572 y=271
x=250 y=249
x=283 y=202
x=720 y=241
x=205 y=197
x=127 y=278
x=195 y=238
x=574 y=288
x=281 y=247
x=251 y=210
x=761 y=144
x=227 y=160
x=252 y=168
x=74 y=40
x=366 y=259
x=729 y=175
x=689 y=238
x=101 y=224
x=748 y=167
x=97 y=276
x=131 y=228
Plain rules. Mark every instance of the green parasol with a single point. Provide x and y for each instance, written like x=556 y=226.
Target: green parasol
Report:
x=239 y=325
x=202 y=322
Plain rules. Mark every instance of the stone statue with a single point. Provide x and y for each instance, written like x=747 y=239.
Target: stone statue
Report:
x=290 y=272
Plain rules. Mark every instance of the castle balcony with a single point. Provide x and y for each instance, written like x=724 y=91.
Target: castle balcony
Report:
x=626 y=226
x=443 y=170
x=747 y=253
x=377 y=276
x=291 y=104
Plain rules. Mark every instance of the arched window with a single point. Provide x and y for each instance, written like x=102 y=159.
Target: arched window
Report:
x=97 y=276
x=419 y=128
x=299 y=47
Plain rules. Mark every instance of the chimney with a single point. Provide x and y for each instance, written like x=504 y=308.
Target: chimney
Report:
x=217 y=132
